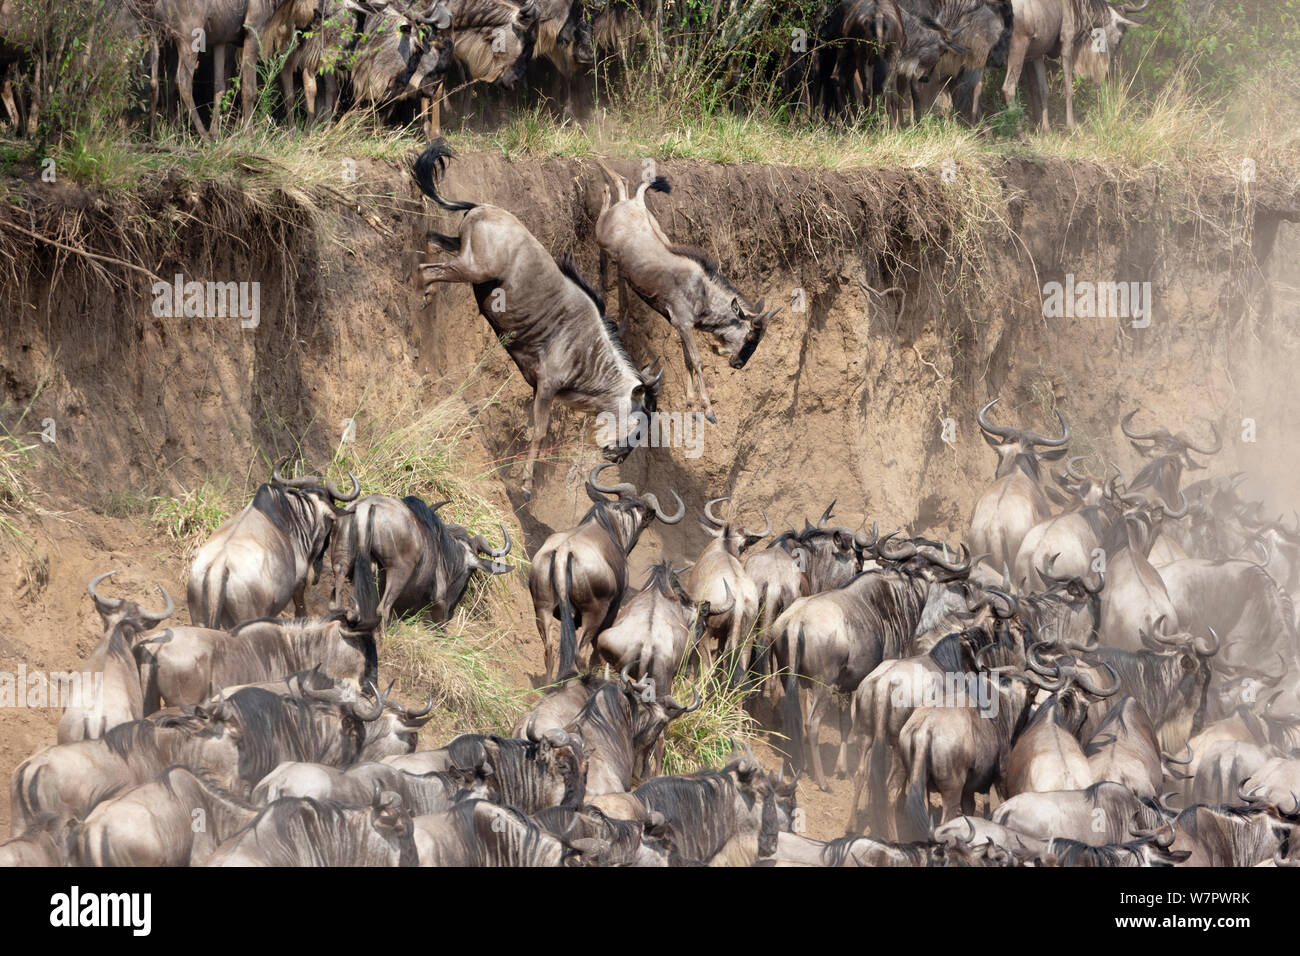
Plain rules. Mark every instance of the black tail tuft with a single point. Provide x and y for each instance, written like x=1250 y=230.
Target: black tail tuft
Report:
x=428 y=168
x=660 y=185
x=568 y=631
x=444 y=242
x=793 y=715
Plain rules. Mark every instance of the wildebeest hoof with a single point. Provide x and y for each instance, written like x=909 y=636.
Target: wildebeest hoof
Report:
x=528 y=493
x=713 y=419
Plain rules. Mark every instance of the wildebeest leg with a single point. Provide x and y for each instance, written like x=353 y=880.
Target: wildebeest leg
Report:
x=592 y=624
x=693 y=367
x=309 y=96
x=1040 y=93
x=1067 y=71
x=187 y=61
x=542 y=400
x=543 y=620
x=300 y=599
x=846 y=728
x=1015 y=63
x=218 y=86
x=968 y=803
x=154 y=54
x=331 y=96
x=248 y=71
x=821 y=697
x=952 y=800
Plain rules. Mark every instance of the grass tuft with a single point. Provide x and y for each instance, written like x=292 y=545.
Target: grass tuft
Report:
x=455 y=663
x=707 y=737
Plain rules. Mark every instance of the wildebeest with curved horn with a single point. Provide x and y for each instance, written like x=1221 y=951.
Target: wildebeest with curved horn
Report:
x=267 y=554
x=832 y=640
x=719 y=578
x=579 y=576
x=118 y=698
x=551 y=321
x=656 y=629
x=1015 y=502
x=679 y=282
x=424 y=562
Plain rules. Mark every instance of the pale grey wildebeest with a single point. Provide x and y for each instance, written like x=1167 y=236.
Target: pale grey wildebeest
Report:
x=117 y=698
x=579 y=576
x=1083 y=34
x=679 y=282
x=268 y=553
x=551 y=321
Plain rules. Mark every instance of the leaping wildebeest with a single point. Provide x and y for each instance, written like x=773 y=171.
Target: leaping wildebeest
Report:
x=267 y=554
x=551 y=321
x=1015 y=502
x=679 y=282
x=579 y=576
x=424 y=562
x=118 y=698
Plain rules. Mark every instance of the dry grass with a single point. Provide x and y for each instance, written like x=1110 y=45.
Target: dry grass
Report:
x=456 y=663
x=706 y=737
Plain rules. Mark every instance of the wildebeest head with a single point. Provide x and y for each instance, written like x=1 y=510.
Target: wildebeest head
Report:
x=731 y=319
x=1019 y=448
x=574 y=41
x=1103 y=28
x=496 y=44
x=832 y=554
x=737 y=538
x=1168 y=454
x=642 y=508
x=127 y=615
x=651 y=715
x=477 y=550
x=922 y=558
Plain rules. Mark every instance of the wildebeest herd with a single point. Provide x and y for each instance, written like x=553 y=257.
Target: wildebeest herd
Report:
x=1106 y=674
x=900 y=56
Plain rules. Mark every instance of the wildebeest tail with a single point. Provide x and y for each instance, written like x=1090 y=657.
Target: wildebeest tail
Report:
x=367 y=597
x=660 y=185
x=568 y=631
x=877 y=771
x=213 y=599
x=917 y=805
x=428 y=168
x=793 y=716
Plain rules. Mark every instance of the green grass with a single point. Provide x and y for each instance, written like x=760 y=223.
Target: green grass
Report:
x=190 y=517
x=457 y=664
x=706 y=737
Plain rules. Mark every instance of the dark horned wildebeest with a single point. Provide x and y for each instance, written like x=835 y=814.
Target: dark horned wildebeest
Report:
x=560 y=704
x=983 y=28
x=1151 y=848
x=306 y=832
x=1168 y=454
x=424 y=562
x=679 y=282
x=401 y=56
x=1015 y=502
x=550 y=320
x=154 y=823
x=727 y=817
x=579 y=576
x=117 y=699
x=834 y=554
x=267 y=554
x=565 y=38
x=1067 y=543
x=656 y=629
x=181 y=665
x=620 y=726
x=832 y=640
x=1135 y=596
x=719 y=579
x=1083 y=34
x=495 y=39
